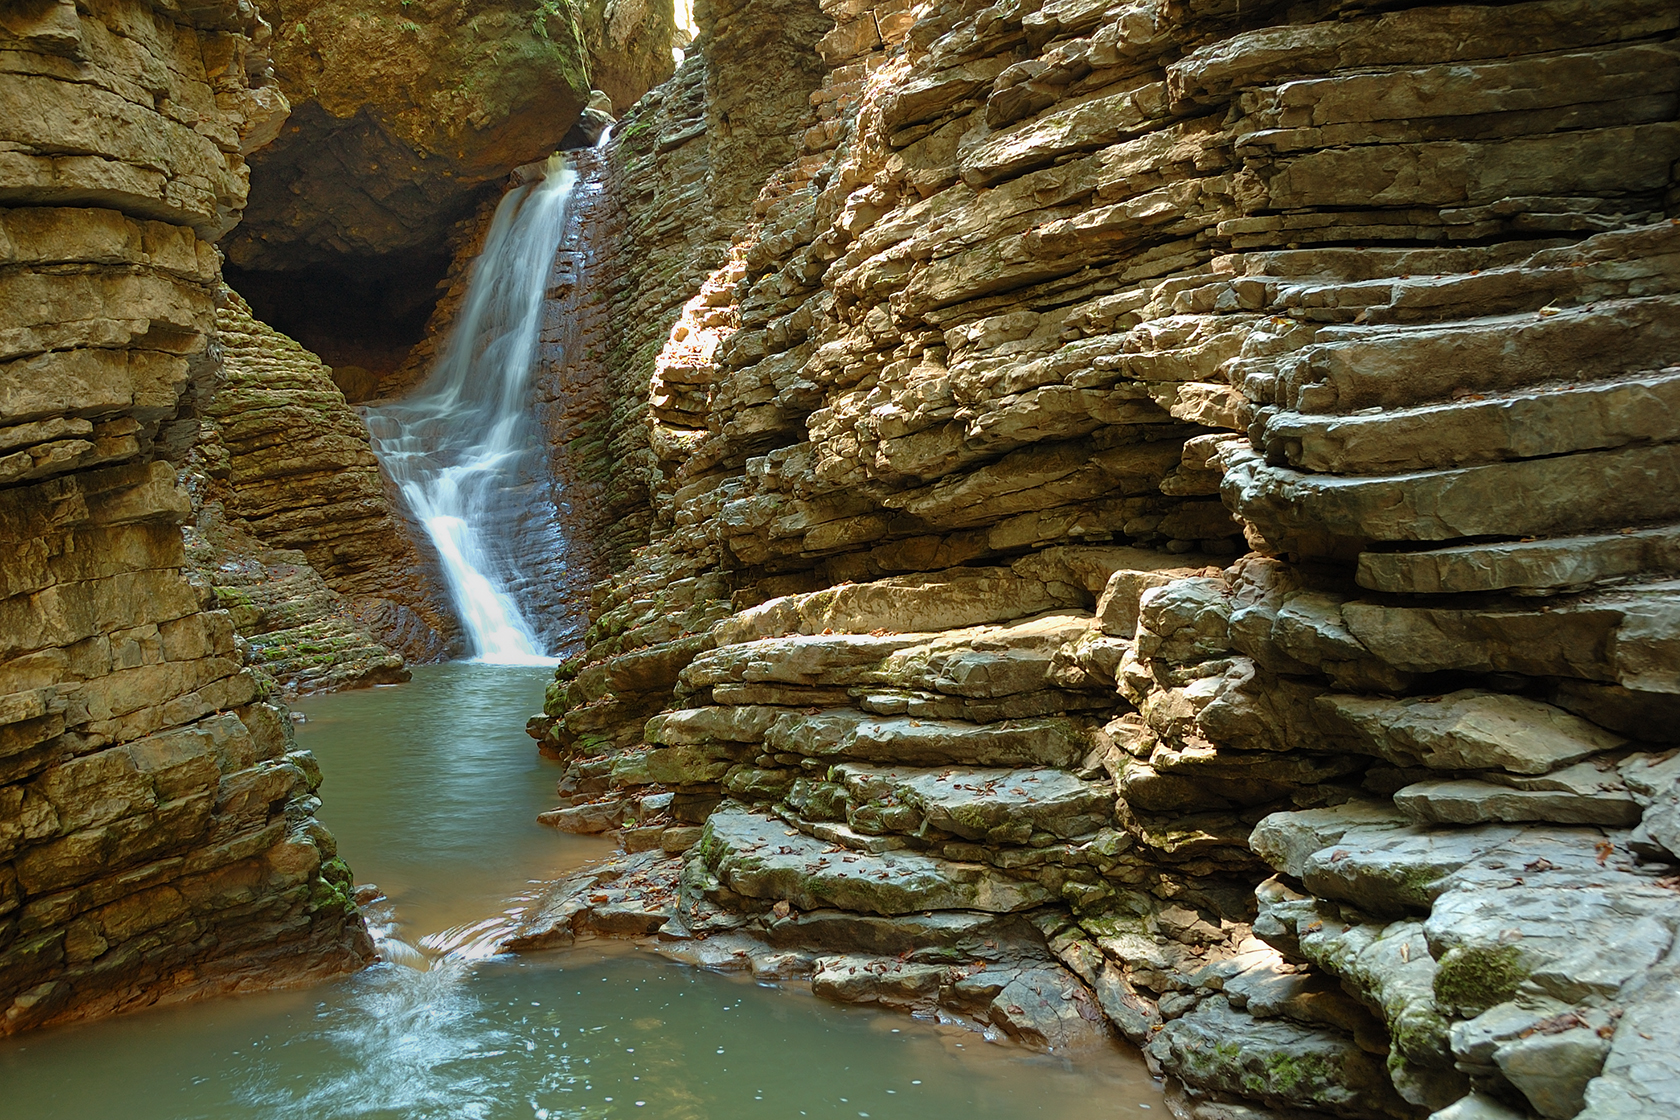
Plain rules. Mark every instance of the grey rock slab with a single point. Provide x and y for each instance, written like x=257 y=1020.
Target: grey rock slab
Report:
x=1050 y=1009
x=949 y=600
x=1630 y=636
x=979 y=803
x=1278 y=1062
x=1135 y=1016
x=1285 y=840
x=1531 y=497
x=1552 y=1070
x=1641 y=1079
x=803 y=659
x=1475 y=1040
x=1477 y=1106
x=1661 y=826
x=1542 y=915
x=1557 y=563
x=1518 y=425
x=1391 y=871
x=1388 y=968
x=1654 y=781
x=853 y=978
x=744 y=723
x=847 y=733
x=1467 y=730
x=942 y=931
x=1474 y=802
x=1185 y=620
x=1651 y=777
x=1355 y=367
x=1117 y=607
x=759 y=857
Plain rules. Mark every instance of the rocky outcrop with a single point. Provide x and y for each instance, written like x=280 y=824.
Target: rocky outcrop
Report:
x=156 y=831
x=629 y=43
x=655 y=215
x=281 y=459
x=405 y=120
x=1060 y=309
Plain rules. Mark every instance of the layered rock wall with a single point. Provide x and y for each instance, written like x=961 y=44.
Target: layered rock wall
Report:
x=296 y=529
x=656 y=214
x=156 y=830
x=942 y=622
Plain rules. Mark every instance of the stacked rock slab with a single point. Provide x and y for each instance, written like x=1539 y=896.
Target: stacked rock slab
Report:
x=281 y=459
x=156 y=830
x=1064 y=305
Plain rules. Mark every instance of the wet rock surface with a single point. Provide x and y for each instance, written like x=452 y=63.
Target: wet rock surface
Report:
x=1261 y=417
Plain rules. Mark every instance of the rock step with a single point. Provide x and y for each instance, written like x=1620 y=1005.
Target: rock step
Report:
x=1052 y=741
x=1553 y=564
x=994 y=805
x=1565 y=494
x=724 y=732
x=1526 y=424
x=1579 y=795
x=758 y=857
x=979 y=661
x=1277 y=1061
x=1466 y=730
x=1348 y=368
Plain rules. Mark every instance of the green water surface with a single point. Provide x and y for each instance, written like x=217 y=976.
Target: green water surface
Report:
x=431 y=789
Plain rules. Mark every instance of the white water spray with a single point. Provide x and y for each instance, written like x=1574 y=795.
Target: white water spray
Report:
x=458 y=447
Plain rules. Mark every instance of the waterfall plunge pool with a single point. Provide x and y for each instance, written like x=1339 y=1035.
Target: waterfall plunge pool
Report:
x=432 y=789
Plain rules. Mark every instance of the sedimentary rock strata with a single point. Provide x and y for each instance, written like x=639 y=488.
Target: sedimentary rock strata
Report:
x=156 y=830
x=1260 y=415
x=283 y=459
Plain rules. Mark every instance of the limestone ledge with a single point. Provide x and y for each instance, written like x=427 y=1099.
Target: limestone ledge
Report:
x=282 y=463
x=157 y=836
x=148 y=108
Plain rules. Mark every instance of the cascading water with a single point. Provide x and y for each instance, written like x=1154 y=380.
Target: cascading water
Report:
x=463 y=449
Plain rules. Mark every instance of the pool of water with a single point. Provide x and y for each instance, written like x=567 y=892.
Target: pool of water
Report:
x=431 y=789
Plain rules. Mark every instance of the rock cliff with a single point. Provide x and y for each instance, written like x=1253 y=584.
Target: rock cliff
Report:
x=156 y=831
x=1181 y=491
x=405 y=119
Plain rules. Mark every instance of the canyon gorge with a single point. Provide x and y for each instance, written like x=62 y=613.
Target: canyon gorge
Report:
x=1096 y=523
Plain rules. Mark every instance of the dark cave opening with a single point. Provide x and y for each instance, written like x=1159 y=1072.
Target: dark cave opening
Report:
x=361 y=315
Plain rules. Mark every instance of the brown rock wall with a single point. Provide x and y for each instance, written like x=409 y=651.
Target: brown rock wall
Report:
x=288 y=461
x=1057 y=303
x=156 y=836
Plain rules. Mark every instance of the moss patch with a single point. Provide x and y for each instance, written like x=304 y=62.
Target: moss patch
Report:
x=1471 y=980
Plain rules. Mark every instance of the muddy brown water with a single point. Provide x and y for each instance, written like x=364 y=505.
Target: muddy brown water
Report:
x=431 y=790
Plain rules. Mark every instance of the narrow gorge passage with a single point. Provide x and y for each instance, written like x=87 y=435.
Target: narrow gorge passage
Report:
x=1142 y=531
x=433 y=796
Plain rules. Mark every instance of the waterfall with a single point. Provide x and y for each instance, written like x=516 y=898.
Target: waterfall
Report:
x=463 y=449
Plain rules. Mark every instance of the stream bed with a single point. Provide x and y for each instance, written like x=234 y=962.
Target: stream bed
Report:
x=432 y=789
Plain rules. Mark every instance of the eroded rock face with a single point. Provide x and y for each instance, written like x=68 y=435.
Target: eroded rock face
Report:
x=156 y=832
x=283 y=460
x=405 y=120
x=1062 y=307
x=398 y=118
